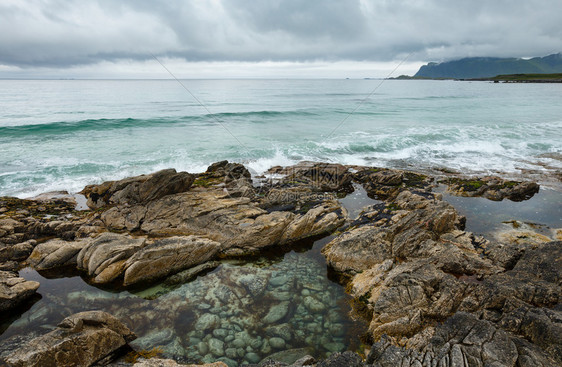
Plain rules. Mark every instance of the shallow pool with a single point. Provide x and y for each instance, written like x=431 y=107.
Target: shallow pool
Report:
x=280 y=305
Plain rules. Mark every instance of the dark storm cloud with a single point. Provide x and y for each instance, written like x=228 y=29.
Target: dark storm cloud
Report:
x=61 y=33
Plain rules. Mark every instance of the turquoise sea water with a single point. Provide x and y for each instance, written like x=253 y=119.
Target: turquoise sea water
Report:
x=64 y=134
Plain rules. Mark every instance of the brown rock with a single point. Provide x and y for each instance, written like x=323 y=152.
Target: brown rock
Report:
x=14 y=290
x=317 y=176
x=493 y=188
x=103 y=257
x=139 y=189
x=55 y=253
x=80 y=340
x=359 y=249
x=17 y=252
x=168 y=256
x=462 y=340
x=321 y=219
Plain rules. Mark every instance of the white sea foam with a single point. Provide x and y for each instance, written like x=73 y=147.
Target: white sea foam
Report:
x=411 y=128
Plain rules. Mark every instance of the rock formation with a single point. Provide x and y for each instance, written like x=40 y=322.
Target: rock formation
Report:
x=14 y=290
x=83 y=339
x=433 y=294
x=421 y=279
x=492 y=188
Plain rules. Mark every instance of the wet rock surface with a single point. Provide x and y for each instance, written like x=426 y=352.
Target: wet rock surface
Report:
x=493 y=188
x=432 y=293
x=82 y=339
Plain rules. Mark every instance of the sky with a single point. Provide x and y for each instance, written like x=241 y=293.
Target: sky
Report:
x=261 y=39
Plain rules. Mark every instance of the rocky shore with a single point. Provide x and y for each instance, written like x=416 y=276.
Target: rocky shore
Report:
x=431 y=293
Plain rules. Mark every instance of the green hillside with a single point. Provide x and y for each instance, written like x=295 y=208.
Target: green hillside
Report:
x=487 y=67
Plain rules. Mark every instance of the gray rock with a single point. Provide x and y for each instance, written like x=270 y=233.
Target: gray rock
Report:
x=284 y=331
x=153 y=339
x=220 y=333
x=207 y=321
x=279 y=280
x=335 y=347
x=254 y=283
x=313 y=305
x=203 y=348
x=277 y=343
x=276 y=313
x=463 y=338
x=346 y=359
x=230 y=353
x=252 y=357
x=216 y=347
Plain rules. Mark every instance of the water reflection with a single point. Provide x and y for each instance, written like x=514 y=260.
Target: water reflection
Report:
x=486 y=217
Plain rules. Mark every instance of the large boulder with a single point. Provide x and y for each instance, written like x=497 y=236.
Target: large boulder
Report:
x=321 y=219
x=402 y=296
x=359 y=249
x=238 y=223
x=55 y=253
x=138 y=189
x=137 y=259
x=168 y=256
x=104 y=257
x=14 y=290
x=83 y=339
x=16 y=252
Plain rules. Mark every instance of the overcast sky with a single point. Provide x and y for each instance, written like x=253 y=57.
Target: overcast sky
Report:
x=273 y=38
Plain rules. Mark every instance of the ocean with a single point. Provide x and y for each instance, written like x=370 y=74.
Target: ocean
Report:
x=65 y=134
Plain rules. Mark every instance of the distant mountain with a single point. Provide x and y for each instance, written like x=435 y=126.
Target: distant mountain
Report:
x=485 y=67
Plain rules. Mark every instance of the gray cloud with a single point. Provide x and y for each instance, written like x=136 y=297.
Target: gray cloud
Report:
x=63 y=33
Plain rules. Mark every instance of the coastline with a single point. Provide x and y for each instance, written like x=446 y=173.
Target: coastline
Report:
x=504 y=78
x=376 y=252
